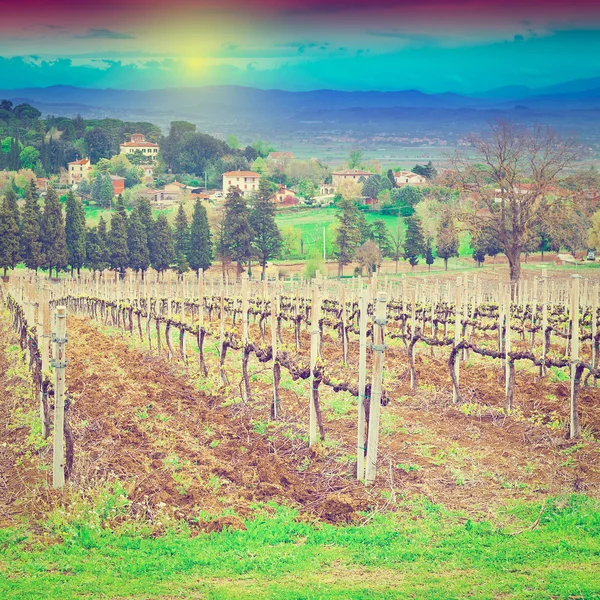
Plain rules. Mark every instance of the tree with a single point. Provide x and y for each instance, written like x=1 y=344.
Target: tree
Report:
x=233 y=142
x=397 y=243
x=31 y=246
x=97 y=144
x=106 y=193
x=181 y=238
x=266 y=241
x=118 y=254
x=428 y=171
x=429 y=259
x=29 y=158
x=380 y=236
x=137 y=243
x=13 y=206
x=414 y=244
x=374 y=185
x=145 y=212
x=259 y=165
x=200 y=248
x=9 y=238
x=514 y=178
x=348 y=235
x=237 y=231
x=369 y=256
x=95 y=248
x=447 y=239
x=52 y=234
x=355 y=159
x=75 y=232
x=162 y=253
x=390 y=176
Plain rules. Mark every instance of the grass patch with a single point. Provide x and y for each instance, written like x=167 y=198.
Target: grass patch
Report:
x=432 y=554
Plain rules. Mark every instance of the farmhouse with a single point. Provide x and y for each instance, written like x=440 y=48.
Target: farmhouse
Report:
x=326 y=189
x=286 y=197
x=408 y=178
x=79 y=170
x=118 y=184
x=138 y=143
x=247 y=181
x=348 y=175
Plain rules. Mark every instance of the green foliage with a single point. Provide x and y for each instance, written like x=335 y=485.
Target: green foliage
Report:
x=162 y=253
x=75 y=231
x=118 y=255
x=181 y=238
x=266 y=239
x=447 y=239
x=137 y=243
x=414 y=243
x=200 y=249
x=31 y=245
x=52 y=234
x=237 y=230
x=348 y=236
x=9 y=238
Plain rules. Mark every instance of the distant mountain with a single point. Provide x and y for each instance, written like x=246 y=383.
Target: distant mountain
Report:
x=284 y=115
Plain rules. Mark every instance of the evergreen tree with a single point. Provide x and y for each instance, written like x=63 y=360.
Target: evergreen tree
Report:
x=75 y=232
x=429 y=259
x=381 y=237
x=348 y=236
x=162 y=253
x=95 y=249
x=200 y=249
x=52 y=234
x=447 y=240
x=237 y=231
x=145 y=212
x=118 y=257
x=9 y=237
x=96 y=189
x=13 y=206
x=390 y=176
x=181 y=264
x=266 y=241
x=120 y=207
x=31 y=246
x=181 y=238
x=106 y=192
x=414 y=243
x=137 y=243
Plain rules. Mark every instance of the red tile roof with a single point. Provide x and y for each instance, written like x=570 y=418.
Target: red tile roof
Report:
x=139 y=144
x=83 y=161
x=241 y=174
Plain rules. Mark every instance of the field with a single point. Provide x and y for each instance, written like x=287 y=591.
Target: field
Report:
x=185 y=485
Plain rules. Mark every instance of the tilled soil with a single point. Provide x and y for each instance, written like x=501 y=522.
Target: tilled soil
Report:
x=174 y=439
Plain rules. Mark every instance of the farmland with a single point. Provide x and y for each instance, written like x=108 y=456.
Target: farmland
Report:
x=185 y=468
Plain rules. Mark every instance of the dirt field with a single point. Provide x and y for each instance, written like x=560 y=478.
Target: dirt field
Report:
x=174 y=439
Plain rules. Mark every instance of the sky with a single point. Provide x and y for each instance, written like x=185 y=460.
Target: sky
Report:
x=436 y=46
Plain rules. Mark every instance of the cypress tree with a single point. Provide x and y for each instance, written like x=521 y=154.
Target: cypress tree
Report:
x=266 y=240
x=348 y=236
x=120 y=207
x=237 y=231
x=95 y=249
x=181 y=239
x=9 y=237
x=162 y=253
x=390 y=176
x=106 y=191
x=31 y=245
x=75 y=232
x=414 y=243
x=200 y=249
x=13 y=206
x=145 y=212
x=137 y=243
x=52 y=234
x=118 y=257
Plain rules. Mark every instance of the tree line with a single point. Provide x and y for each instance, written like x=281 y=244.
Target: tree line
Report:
x=55 y=240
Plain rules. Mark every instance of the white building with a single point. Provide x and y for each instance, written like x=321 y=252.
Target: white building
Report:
x=247 y=181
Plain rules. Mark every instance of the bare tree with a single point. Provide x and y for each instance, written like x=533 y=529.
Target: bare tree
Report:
x=369 y=257
x=513 y=180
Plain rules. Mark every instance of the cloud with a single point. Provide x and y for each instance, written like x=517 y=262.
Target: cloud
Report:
x=104 y=34
x=518 y=37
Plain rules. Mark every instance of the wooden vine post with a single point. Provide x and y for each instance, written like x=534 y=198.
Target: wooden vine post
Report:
x=59 y=363
x=276 y=366
x=379 y=323
x=509 y=364
x=43 y=332
x=315 y=317
x=574 y=428
x=246 y=394
x=362 y=382
x=457 y=332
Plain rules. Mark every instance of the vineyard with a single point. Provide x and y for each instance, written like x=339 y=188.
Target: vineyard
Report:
x=207 y=398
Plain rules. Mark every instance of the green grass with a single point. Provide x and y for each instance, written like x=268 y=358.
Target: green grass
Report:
x=424 y=551
x=93 y=214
